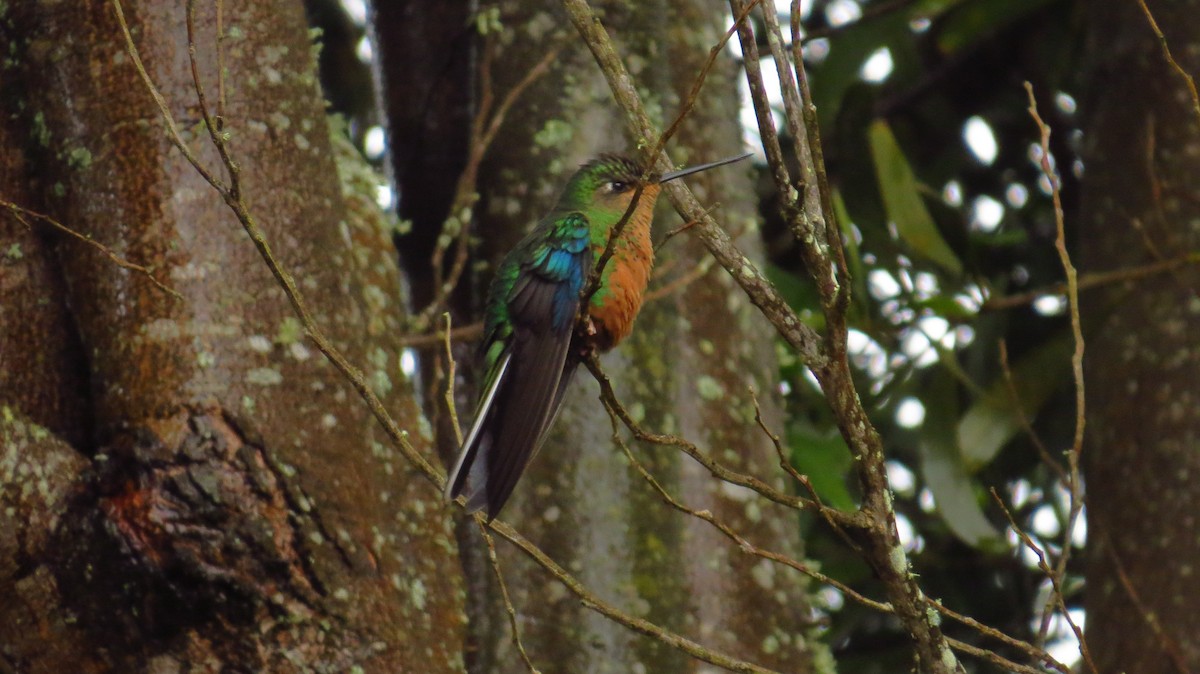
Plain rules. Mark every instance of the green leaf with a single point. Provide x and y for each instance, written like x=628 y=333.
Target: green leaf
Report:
x=973 y=21
x=992 y=420
x=826 y=460
x=944 y=471
x=901 y=198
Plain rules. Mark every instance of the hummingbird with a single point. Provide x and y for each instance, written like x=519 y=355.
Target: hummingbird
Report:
x=533 y=339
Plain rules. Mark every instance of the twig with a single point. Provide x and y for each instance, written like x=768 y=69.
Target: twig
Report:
x=484 y=127
x=508 y=606
x=816 y=156
x=679 y=283
x=1168 y=644
x=827 y=513
x=1092 y=281
x=1037 y=654
x=1075 y=483
x=849 y=520
x=690 y=101
x=1187 y=79
x=218 y=136
x=640 y=625
x=450 y=404
x=19 y=213
x=802 y=205
x=221 y=64
x=466 y=333
x=1056 y=591
x=995 y=659
x=1015 y=400
x=743 y=544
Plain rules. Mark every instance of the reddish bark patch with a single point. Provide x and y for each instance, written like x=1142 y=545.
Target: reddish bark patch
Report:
x=193 y=524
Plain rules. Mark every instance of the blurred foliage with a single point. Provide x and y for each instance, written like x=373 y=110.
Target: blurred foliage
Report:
x=937 y=229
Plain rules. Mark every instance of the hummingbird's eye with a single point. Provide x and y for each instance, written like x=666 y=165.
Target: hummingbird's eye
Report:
x=618 y=186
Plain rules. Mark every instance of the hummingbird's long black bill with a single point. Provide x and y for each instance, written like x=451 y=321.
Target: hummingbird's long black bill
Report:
x=702 y=167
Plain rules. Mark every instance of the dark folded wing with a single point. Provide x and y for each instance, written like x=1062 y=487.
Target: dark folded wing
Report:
x=525 y=391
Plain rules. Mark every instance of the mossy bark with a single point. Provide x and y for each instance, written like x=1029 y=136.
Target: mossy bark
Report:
x=238 y=509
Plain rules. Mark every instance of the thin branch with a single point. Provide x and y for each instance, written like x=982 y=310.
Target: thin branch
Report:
x=221 y=64
x=479 y=521
x=508 y=605
x=19 y=213
x=1169 y=645
x=1162 y=39
x=1015 y=401
x=742 y=543
x=848 y=520
x=1060 y=244
x=466 y=333
x=690 y=101
x=1075 y=483
x=1056 y=591
x=990 y=656
x=450 y=405
x=1035 y=653
x=833 y=233
x=1092 y=281
x=812 y=222
x=827 y=513
x=803 y=206
x=484 y=127
x=165 y=112
x=611 y=612
x=219 y=137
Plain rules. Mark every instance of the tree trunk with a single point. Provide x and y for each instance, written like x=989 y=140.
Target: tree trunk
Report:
x=686 y=369
x=1141 y=202
x=235 y=508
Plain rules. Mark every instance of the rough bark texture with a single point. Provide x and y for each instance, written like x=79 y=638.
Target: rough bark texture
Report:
x=685 y=370
x=41 y=363
x=1141 y=200
x=241 y=510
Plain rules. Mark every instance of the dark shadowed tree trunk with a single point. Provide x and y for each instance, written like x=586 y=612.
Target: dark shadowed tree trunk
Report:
x=186 y=484
x=696 y=349
x=1142 y=202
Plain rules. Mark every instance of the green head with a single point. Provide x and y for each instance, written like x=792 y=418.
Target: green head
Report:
x=603 y=187
x=605 y=184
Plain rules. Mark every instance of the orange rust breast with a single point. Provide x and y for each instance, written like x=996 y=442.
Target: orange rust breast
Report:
x=615 y=306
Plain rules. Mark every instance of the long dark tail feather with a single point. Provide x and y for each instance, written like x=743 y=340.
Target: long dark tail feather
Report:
x=512 y=421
